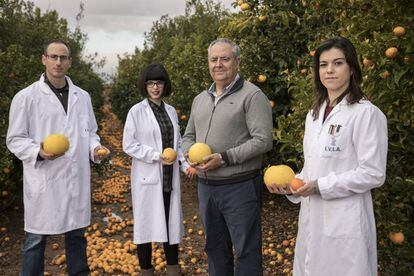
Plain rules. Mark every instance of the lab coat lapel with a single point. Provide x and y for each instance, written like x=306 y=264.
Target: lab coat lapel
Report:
x=154 y=122
x=73 y=96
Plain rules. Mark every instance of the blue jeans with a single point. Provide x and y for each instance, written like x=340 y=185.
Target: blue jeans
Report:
x=34 y=253
x=231 y=218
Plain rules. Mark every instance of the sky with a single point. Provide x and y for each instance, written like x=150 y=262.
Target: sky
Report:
x=115 y=27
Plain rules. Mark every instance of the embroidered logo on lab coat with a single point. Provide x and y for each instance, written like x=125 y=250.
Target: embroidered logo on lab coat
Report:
x=334 y=131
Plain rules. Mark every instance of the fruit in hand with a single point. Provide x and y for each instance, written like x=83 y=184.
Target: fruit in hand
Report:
x=296 y=183
x=56 y=144
x=101 y=152
x=169 y=155
x=280 y=175
x=198 y=151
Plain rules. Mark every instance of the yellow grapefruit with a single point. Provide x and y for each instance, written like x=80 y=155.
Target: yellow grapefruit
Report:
x=280 y=175
x=56 y=144
x=169 y=155
x=198 y=151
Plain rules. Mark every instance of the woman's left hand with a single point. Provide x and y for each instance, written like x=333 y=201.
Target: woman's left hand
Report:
x=306 y=190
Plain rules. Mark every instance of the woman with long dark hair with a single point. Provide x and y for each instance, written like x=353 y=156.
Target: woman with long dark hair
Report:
x=345 y=151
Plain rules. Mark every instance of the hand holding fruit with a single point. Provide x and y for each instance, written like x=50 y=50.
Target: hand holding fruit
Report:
x=47 y=156
x=191 y=172
x=306 y=189
x=53 y=146
x=101 y=153
x=210 y=162
x=168 y=156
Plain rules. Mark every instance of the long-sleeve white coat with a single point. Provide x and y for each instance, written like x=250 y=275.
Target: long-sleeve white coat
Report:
x=347 y=155
x=142 y=141
x=56 y=192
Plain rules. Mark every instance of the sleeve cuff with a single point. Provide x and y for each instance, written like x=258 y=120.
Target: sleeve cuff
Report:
x=225 y=157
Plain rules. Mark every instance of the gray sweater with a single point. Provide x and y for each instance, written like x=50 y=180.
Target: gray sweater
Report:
x=239 y=127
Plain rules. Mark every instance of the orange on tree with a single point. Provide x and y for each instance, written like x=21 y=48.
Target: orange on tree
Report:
x=183 y=117
x=312 y=53
x=263 y=18
x=245 y=6
x=55 y=144
x=397 y=238
x=280 y=175
x=272 y=103
x=399 y=31
x=391 y=52
x=261 y=78
x=367 y=62
x=198 y=151
x=296 y=183
x=169 y=154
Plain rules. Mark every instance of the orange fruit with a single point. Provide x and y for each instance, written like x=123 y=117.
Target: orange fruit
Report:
x=261 y=78
x=296 y=183
x=272 y=103
x=312 y=53
x=391 y=52
x=245 y=6
x=101 y=152
x=367 y=62
x=397 y=238
x=183 y=117
x=169 y=155
x=263 y=18
x=399 y=31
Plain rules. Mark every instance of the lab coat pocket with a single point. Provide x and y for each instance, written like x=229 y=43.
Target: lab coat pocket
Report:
x=84 y=126
x=148 y=174
x=34 y=180
x=342 y=218
x=334 y=143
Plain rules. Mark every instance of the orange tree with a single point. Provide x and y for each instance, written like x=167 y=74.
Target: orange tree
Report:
x=180 y=44
x=23 y=31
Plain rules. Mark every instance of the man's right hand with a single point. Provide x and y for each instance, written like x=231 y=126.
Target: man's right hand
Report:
x=47 y=156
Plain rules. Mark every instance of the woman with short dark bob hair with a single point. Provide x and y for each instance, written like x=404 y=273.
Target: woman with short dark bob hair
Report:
x=150 y=128
x=345 y=152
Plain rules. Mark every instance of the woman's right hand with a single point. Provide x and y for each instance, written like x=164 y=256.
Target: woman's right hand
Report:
x=279 y=190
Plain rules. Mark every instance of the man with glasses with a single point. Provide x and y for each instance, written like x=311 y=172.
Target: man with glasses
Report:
x=234 y=118
x=56 y=188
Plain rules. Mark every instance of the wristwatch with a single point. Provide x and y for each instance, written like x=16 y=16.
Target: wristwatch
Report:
x=222 y=162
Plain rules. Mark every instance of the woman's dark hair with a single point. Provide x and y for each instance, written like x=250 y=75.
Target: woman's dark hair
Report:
x=154 y=72
x=354 y=90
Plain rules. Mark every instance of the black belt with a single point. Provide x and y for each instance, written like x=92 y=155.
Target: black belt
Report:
x=232 y=180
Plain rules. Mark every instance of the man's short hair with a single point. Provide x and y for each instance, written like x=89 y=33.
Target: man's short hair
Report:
x=58 y=41
x=234 y=47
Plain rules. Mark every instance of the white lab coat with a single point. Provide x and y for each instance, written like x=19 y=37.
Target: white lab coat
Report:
x=56 y=193
x=337 y=234
x=142 y=141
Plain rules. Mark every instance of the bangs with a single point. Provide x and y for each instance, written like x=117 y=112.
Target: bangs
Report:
x=156 y=73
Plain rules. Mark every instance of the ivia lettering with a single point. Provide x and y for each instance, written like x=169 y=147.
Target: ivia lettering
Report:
x=332 y=148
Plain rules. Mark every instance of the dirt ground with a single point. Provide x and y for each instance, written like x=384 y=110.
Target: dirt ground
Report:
x=110 y=248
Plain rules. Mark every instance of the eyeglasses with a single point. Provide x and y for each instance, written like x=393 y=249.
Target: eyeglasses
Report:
x=222 y=59
x=56 y=57
x=154 y=83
